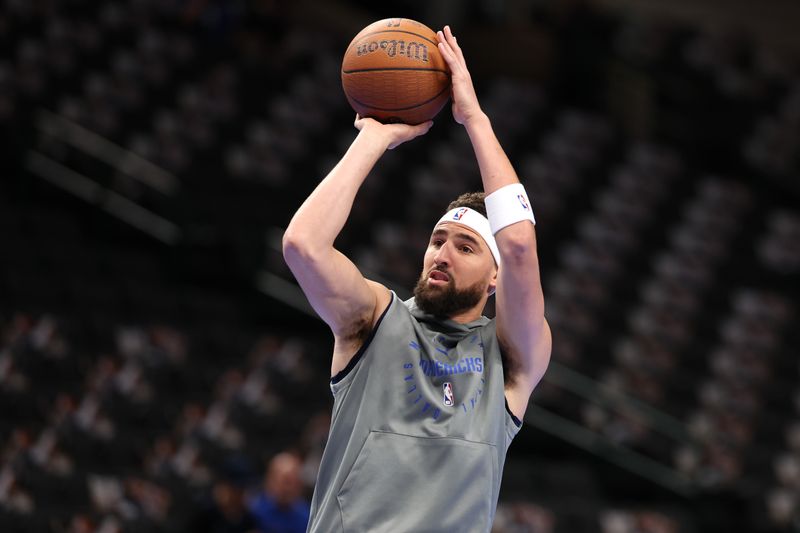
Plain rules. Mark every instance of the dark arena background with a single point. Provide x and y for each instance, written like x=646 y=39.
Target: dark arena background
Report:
x=156 y=354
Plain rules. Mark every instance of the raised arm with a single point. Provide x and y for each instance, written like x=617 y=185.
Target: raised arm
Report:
x=343 y=298
x=522 y=330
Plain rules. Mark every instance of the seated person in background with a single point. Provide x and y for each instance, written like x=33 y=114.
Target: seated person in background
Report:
x=281 y=507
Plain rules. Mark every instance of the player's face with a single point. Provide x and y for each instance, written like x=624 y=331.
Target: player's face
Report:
x=458 y=271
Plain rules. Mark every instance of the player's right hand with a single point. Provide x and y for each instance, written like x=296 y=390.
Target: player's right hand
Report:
x=465 y=101
x=393 y=135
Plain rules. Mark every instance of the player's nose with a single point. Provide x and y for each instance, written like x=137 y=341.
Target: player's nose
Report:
x=442 y=255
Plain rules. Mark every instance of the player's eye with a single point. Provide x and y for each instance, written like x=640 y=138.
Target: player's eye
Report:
x=437 y=242
x=466 y=249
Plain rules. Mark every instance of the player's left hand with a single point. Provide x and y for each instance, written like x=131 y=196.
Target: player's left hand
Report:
x=465 y=102
x=392 y=135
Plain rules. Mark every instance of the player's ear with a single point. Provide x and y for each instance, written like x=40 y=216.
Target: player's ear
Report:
x=492 y=284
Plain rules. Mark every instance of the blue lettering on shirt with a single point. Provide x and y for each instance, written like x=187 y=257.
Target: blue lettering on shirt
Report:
x=433 y=368
x=467 y=365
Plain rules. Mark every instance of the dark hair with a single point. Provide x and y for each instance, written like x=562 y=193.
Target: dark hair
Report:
x=473 y=200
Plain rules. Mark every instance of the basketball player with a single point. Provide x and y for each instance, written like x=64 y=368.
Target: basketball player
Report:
x=428 y=393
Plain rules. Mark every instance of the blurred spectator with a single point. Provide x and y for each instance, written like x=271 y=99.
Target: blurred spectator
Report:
x=522 y=517
x=158 y=460
x=11 y=379
x=17 y=445
x=81 y=523
x=225 y=508
x=134 y=499
x=779 y=248
x=622 y=521
x=188 y=464
x=13 y=497
x=281 y=507
x=782 y=507
x=48 y=455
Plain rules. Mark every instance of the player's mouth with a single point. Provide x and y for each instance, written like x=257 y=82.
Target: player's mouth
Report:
x=437 y=277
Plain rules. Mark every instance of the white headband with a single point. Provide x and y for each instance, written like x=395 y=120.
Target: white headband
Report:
x=476 y=222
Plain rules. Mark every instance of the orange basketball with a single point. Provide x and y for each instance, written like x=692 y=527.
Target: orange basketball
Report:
x=393 y=72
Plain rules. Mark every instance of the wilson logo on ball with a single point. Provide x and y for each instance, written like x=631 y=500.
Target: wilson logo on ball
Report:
x=413 y=50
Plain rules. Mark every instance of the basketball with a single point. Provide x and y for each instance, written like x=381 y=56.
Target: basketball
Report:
x=392 y=71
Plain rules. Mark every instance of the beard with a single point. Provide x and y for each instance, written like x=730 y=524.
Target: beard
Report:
x=446 y=301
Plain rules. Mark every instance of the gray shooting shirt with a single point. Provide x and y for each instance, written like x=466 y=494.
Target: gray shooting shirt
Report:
x=419 y=430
